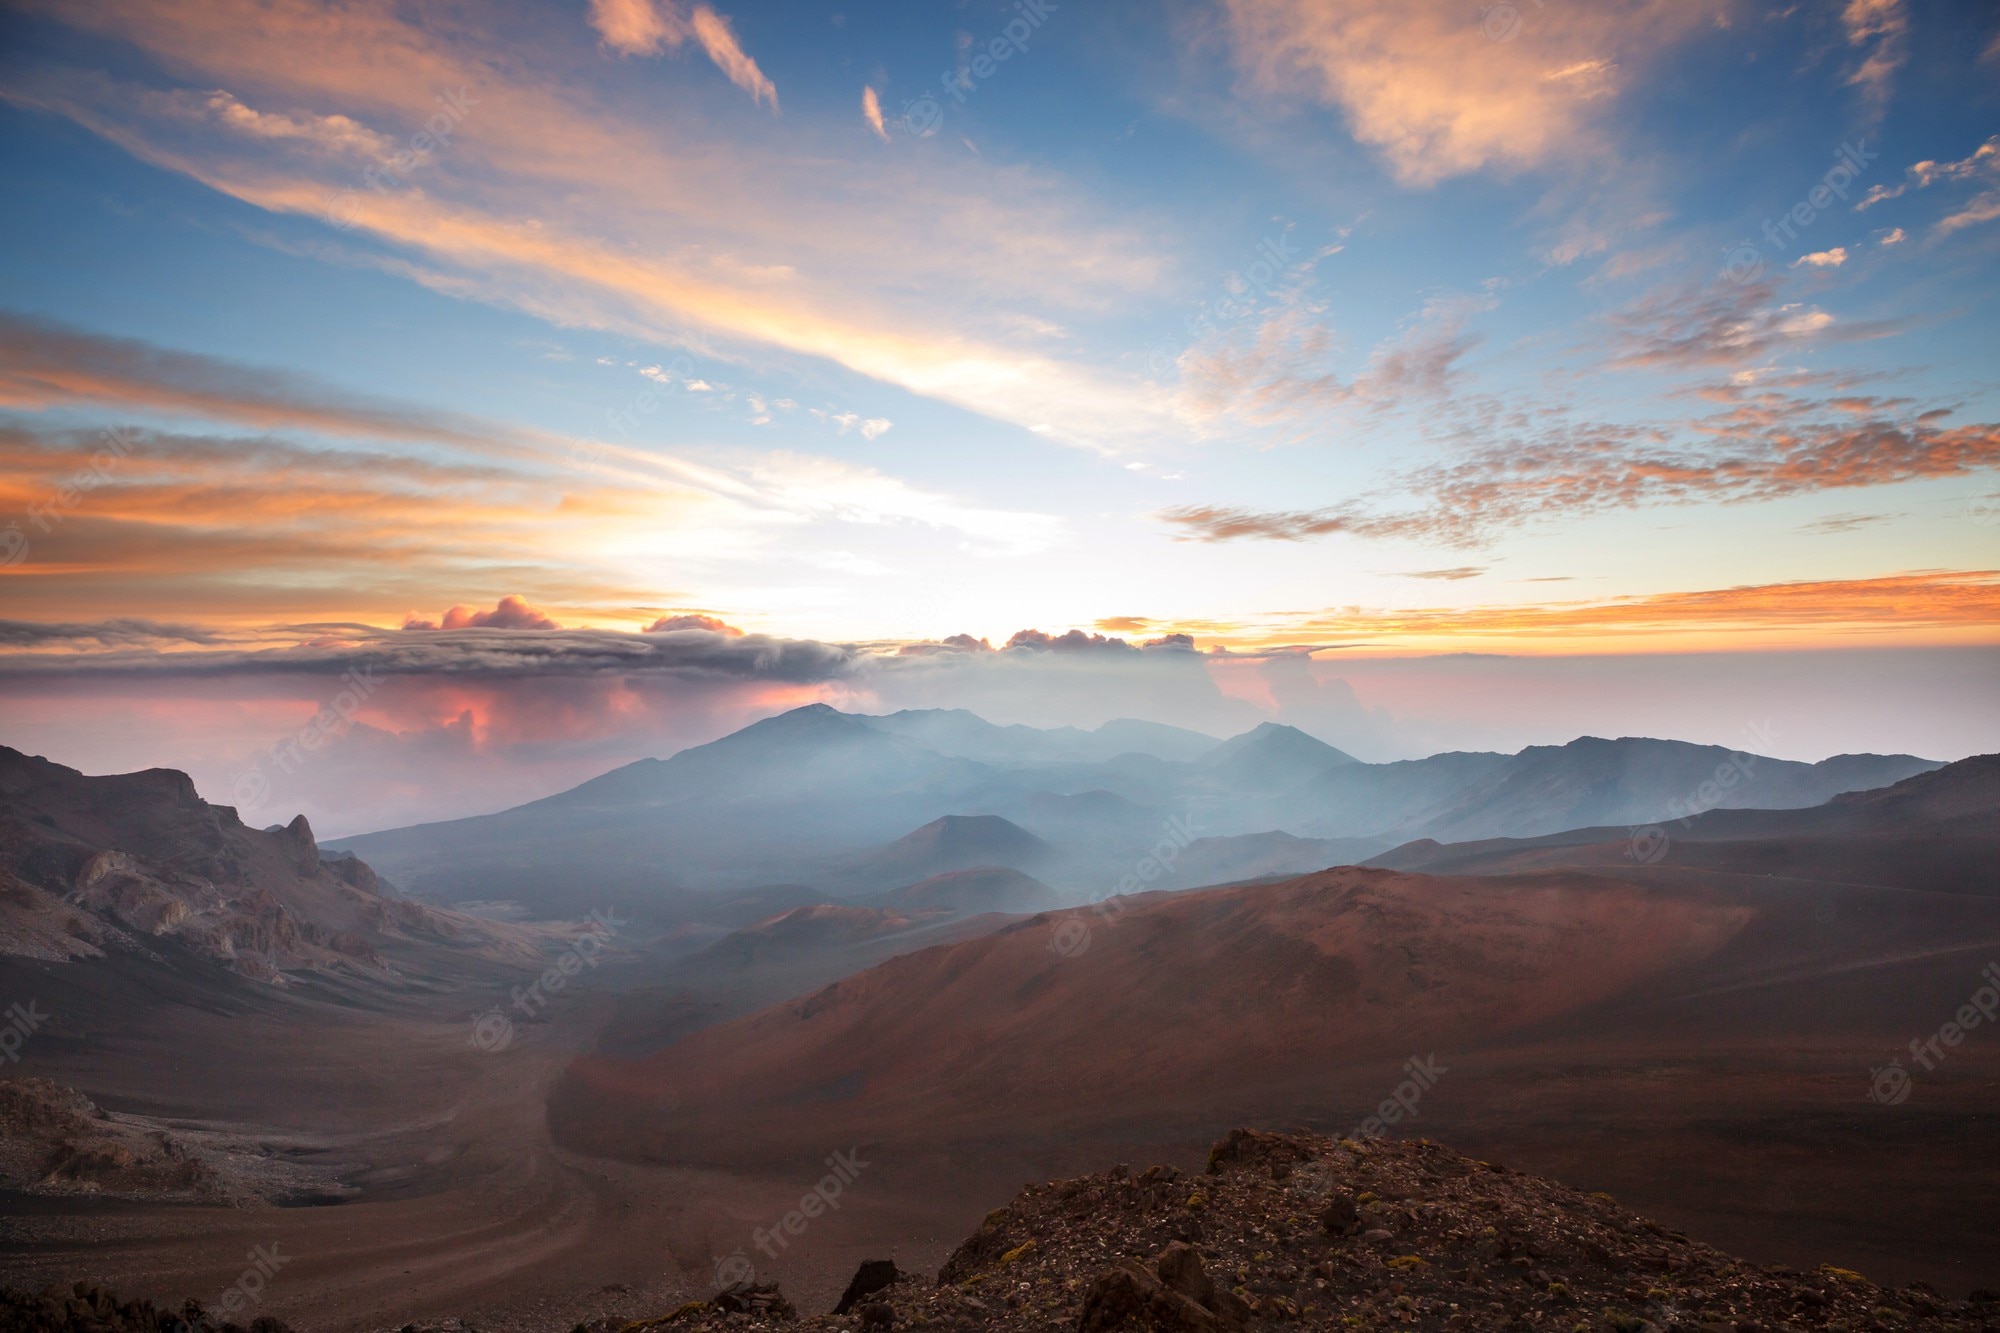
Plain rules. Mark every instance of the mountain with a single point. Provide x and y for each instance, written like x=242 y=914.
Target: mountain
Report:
x=784 y=799
x=808 y=752
x=138 y=863
x=802 y=932
x=1262 y=856
x=954 y=842
x=1205 y=996
x=809 y=796
x=971 y=892
x=1250 y=996
x=1271 y=758
x=1938 y=831
x=964 y=734
x=1547 y=788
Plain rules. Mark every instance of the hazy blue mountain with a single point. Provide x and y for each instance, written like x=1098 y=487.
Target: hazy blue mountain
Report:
x=966 y=735
x=852 y=806
x=1271 y=758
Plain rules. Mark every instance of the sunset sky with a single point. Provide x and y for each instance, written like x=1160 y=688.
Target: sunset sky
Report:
x=596 y=376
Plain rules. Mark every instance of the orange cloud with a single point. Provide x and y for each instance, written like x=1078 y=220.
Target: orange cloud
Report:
x=511 y=613
x=550 y=202
x=44 y=365
x=1958 y=605
x=1442 y=88
x=668 y=624
x=648 y=27
x=716 y=37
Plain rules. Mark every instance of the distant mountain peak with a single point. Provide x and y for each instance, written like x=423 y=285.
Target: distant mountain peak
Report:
x=1273 y=757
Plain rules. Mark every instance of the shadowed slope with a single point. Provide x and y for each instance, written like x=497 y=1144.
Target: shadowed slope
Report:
x=1175 y=1004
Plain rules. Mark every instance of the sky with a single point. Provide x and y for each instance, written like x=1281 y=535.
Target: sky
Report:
x=492 y=394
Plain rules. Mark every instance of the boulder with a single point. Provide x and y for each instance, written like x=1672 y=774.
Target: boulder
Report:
x=874 y=1275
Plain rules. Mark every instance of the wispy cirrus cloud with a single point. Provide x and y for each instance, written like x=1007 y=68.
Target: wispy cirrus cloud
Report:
x=553 y=199
x=1281 y=367
x=1880 y=29
x=1929 y=599
x=45 y=364
x=648 y=27
x=1981 y=167
x=1711 y=324
x=1226 y=523
x=1766 y=446
x=246 y=513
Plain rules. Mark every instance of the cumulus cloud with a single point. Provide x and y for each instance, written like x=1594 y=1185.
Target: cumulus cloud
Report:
x=1076 y=641
x=1833 y=258
x=1440 y=89
x=871 y=111
x=670 y=624
x=510 y=613
x=1980 y=167
x=637 y=27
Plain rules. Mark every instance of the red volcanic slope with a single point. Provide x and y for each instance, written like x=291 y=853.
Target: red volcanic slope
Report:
x=1173 y=1002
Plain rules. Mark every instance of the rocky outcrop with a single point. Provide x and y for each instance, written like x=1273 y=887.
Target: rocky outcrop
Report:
x=55 y=1141
x=84 y=1308
x=132 y=861
x=1295 y=1231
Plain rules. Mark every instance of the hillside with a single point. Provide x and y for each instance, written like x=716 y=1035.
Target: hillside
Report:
x=1209 y=996
x=1938 y=831
x=138 y=862
x=952 y=842
x=972 y=891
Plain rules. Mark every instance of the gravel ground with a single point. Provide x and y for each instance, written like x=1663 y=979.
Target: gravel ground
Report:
x=1286 y=1231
